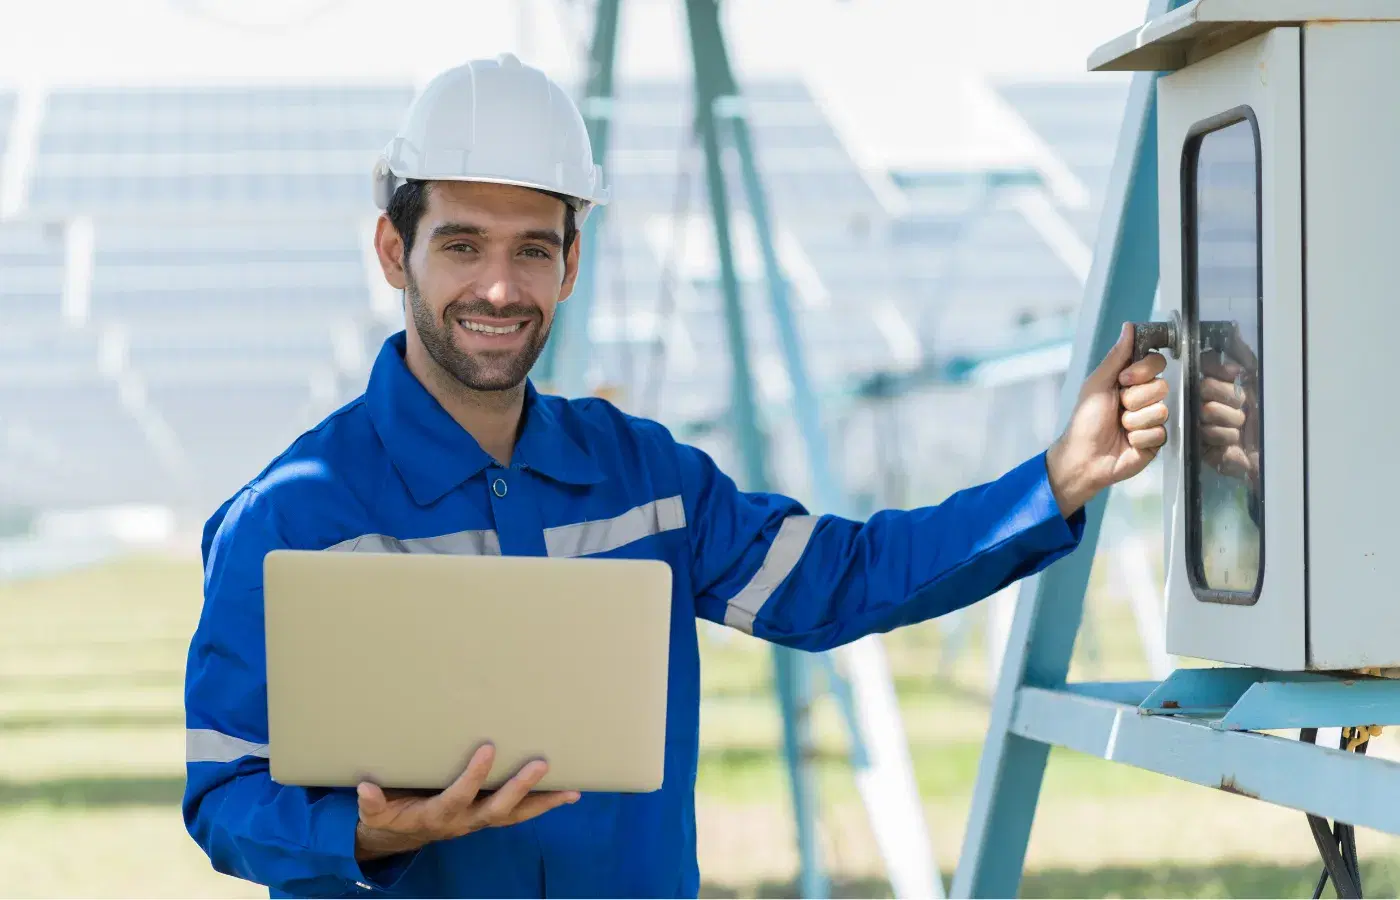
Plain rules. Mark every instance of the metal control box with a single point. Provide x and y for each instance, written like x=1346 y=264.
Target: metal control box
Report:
x=1279 y=206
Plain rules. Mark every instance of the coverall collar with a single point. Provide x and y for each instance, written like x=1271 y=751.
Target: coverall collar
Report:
x=434 y=455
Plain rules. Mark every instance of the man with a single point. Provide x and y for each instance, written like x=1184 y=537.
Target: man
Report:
x=482 y=192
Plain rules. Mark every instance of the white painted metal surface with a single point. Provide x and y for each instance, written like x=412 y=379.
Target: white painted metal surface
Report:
x=1352 y=190
x=1263 y=75
x=1204 y=27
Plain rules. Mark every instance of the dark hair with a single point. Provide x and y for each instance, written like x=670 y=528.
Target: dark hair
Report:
x=411 y=199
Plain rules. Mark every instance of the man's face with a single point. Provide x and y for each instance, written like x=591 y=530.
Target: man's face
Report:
x=485 y=275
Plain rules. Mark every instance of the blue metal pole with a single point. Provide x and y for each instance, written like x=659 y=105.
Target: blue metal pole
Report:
x=1105 y=720
x=1120 y=288
x=827 y=492
x=562 y=364
x=714 y=82
x=793 y=678
x=794 y=687
x=706 y=45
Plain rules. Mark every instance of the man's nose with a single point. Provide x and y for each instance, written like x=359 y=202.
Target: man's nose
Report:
x=497 y=292
x=495 y=285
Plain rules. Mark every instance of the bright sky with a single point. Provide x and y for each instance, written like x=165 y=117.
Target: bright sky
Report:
x=904 y=79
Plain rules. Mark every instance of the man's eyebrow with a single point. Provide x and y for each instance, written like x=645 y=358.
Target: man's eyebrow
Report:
x=544 y=235
x=456 y=229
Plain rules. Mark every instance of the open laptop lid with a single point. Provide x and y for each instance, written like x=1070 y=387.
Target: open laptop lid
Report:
x=394 y=668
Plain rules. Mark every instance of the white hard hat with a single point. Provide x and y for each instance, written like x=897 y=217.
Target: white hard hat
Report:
x=495 y=120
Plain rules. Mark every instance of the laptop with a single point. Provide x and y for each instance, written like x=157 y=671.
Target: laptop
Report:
x=394 y=668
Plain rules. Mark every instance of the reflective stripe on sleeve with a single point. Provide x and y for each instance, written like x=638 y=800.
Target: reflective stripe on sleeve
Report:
x=461 y=543
x=206 y=745
x=786 y=550
x=602 y=535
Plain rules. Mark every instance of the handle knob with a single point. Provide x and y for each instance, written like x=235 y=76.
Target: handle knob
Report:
x=1149 y=336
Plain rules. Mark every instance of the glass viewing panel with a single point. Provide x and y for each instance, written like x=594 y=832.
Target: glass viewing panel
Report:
x=1223 y=306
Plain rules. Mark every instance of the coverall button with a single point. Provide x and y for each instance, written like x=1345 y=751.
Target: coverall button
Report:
x=498 y=487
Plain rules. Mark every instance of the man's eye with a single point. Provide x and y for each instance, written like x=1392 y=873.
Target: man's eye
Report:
x=536 y=252
x=458 y=247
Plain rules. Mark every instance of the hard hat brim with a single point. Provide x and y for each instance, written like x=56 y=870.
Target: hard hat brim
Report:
x=390 y=181
x=578 y=202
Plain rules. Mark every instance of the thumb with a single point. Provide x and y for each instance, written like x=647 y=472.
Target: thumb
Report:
x=372 y=800
x=1119 y=357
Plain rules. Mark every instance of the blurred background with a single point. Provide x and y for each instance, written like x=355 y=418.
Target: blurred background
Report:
x=187 y=282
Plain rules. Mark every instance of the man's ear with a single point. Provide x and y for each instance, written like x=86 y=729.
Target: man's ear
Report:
x=571 y=261
x=388 y=244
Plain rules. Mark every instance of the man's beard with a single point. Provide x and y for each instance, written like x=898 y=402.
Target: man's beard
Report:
x=495 y=374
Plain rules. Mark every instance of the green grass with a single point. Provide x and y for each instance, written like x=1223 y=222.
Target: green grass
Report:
x=943 y=773
x=86 y=792
x=1223 y=880
x=91 y=750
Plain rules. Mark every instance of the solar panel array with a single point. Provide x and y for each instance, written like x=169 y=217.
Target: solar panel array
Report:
x=1079 y=121
x=188 y=285
x=992 y=279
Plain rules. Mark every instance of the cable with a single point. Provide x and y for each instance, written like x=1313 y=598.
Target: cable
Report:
x=1337 y=845
x=1349 y=844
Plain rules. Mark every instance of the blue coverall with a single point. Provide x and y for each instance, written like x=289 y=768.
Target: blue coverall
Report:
x=391 y=470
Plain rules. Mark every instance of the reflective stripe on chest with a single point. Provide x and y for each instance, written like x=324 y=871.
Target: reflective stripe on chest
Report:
x=579 y=539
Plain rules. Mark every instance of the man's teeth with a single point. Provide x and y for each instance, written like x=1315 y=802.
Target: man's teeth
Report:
x=490 y=329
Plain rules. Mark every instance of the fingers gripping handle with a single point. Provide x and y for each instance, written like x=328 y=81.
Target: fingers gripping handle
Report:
x=1149 y=336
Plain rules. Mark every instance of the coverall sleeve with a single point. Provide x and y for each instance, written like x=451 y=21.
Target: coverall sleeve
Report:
x=293 y=840
x=763 y=565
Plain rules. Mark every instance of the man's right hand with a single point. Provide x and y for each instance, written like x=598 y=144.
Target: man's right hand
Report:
x=398 y=824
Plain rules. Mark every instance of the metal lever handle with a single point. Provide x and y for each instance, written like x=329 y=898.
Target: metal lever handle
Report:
x=1149 y=336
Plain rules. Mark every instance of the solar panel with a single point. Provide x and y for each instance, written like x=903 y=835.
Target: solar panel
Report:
x=237 y=354
x=1079 y=121
x=83 y=442
x=248 y=148
x=230 y=428
x=210 y=274
x=227 y=275
x=31 y=273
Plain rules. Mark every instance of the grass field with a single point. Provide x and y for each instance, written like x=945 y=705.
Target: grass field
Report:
x=92 y=743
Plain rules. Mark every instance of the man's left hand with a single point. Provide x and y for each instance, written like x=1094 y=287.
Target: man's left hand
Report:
x=1116 y=429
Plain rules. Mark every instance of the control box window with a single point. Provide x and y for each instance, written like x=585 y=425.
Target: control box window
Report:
x=1223 y=286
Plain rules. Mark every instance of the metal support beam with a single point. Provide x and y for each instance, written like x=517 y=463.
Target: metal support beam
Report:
x=1348 y=787
x=564 y=360
x=714 y=86
x=792 y=676
x=864 y=692
x=1121 y=285
x=883 y=770
x=706 y=47
x=826 y=489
